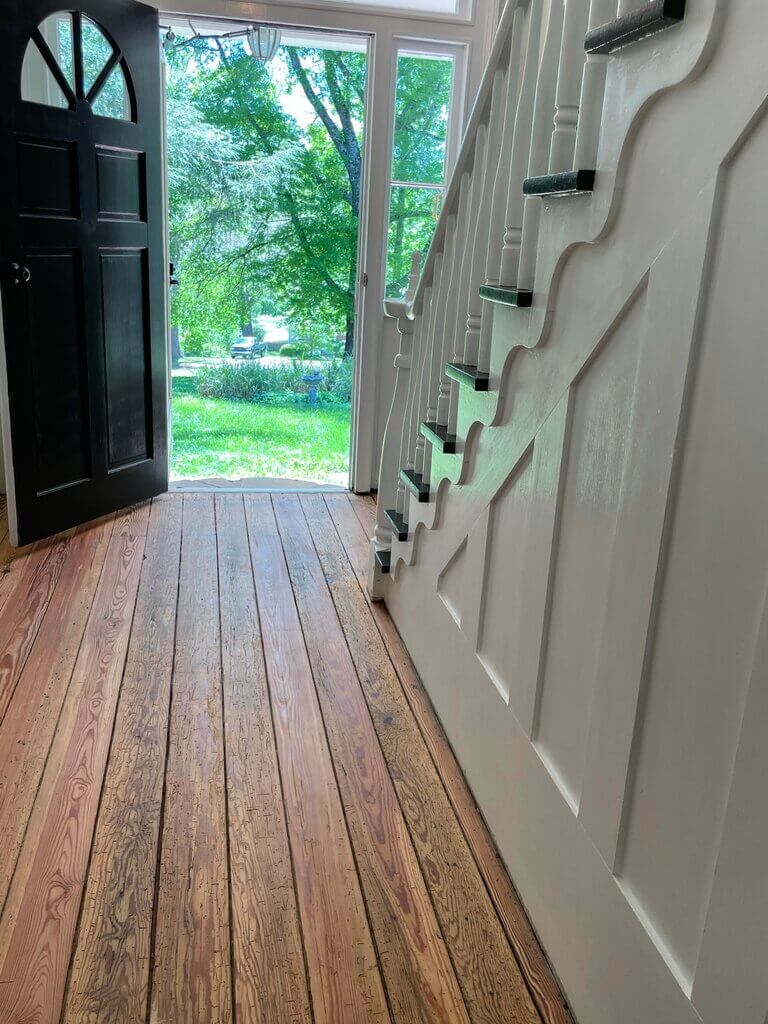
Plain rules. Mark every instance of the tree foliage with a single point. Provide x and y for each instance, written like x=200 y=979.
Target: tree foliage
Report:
x=265 y=208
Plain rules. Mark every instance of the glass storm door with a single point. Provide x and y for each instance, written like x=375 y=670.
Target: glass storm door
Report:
x=81 y=262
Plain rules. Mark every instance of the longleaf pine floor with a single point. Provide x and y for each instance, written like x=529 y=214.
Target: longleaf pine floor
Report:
x=224 y=794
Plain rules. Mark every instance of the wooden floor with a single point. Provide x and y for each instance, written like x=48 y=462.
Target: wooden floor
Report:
x=224 y=795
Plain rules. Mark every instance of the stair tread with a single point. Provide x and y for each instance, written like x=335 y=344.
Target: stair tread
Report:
x=440 y=438
x=415 y=484
x=465 y=373
x=564 y=184
x=647 y=20
x=384 y=559
x=520 y=297
x=397 y=523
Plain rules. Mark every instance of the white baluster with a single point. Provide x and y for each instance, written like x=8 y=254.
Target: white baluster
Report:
x=426 y=368
x=406 y=460
x=389 y=470
x=521 y=146
x=457 y=328
x=479 y=256
x=438 y=336
x=593 y=90
x=540 y=143
x=561 y=157
x=452 y=306
x=414 y=408
x=501 y=184
x=414 y=277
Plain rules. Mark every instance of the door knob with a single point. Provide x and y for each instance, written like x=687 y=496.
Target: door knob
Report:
x=19 y=274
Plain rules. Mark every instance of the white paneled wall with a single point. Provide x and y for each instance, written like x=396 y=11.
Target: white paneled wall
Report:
x=586 y=592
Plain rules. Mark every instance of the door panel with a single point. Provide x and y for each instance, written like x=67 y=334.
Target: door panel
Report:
x=123 y=281
x=58 y=370
x=84 y=313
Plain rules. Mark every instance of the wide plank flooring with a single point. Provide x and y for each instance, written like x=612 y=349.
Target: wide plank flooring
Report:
x=225 y=797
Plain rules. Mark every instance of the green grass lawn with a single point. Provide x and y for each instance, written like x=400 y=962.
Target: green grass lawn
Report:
x=214 y=438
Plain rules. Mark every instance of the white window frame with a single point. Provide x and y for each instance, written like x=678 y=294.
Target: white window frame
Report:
x=457 y=52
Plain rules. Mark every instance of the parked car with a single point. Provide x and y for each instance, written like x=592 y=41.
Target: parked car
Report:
x=248 y=348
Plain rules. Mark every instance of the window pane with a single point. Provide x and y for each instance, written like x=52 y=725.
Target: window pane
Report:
x=113 y=99
x=422 y=106
x=37 y=83
x=413 y=214
x=96 y=52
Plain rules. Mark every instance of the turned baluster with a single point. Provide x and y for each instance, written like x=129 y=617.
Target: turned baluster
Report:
x=521 y=146
x=414 y=277
x=414 y=407
x=568 y=92
x=479 y=257
x=405 y=443
x=451 y=305
x=540 y=143
x=457 y=328
x=421 y=458
x=501 y=184
x=438 y=336
x=593 y=89
x=391 y=451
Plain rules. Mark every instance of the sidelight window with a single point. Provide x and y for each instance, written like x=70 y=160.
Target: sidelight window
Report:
x=421 y=156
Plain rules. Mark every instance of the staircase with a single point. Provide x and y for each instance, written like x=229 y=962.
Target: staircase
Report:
x=571 y=487
x=534 y=132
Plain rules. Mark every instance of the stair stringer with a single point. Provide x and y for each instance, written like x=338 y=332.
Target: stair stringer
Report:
x=637 y=80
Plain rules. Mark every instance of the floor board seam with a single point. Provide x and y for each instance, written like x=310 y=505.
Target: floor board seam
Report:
x=86 y=876
x=161 y=817
x=305 y=960
x=371 y=930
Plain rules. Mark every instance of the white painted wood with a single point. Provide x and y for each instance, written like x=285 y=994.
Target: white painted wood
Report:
x=457 y=329
x=646 y=491
x=569 y=76
x=731 y=984
x=592 y=91
x=521 y=145
x=622 y=613
x=479 y=252
x=541 y=132
x=502 y=176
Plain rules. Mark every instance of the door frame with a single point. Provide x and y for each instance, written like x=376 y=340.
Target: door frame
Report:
x=473 y=33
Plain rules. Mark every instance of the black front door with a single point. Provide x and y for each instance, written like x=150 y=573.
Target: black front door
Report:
x=81 y=260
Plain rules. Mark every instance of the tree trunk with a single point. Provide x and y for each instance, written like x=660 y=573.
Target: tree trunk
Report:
x=349 y=342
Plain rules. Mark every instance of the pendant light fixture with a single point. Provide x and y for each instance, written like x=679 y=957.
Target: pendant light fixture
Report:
x=263 y=41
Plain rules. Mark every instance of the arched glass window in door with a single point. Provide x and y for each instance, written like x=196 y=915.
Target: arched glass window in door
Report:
x=70 y=58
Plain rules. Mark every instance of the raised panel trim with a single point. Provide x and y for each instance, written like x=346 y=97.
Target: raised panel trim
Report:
x=639 y=546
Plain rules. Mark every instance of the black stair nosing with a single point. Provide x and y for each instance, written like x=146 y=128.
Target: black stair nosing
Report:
x=464 y=373
x=519 y=297
x=397 y=523
x=439 y=437
x=384 y=560
x=631 y=28
x=415 y=484
x=567 y=183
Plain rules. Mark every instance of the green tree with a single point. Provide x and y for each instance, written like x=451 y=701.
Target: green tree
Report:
x=264 y=210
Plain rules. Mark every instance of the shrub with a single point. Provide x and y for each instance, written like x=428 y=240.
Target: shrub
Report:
x=256 y=382
x=292 y=351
